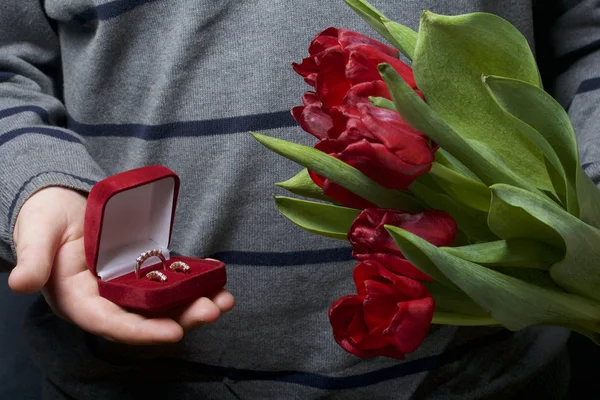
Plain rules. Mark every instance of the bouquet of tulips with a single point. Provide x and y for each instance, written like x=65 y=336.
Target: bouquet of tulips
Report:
x=456 y=181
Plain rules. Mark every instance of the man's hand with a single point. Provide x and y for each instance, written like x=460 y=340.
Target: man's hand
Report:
x=48 y=237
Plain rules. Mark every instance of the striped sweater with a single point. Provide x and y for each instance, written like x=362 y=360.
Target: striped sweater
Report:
x=89 y=88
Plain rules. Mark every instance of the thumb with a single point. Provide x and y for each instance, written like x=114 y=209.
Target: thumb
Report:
x=37 y=238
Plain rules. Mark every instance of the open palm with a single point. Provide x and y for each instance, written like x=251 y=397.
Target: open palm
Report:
x=48 y=239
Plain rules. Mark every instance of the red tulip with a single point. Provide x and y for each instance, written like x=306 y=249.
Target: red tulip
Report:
x=380 y=145
x=339 y=59
x=325 y=123
x=371 y=241
x=312 y=117
x=389 y=317
x=342 y=67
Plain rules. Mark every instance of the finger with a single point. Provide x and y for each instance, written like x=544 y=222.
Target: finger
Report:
x=201 y=311
x=104 y=318
x=37 y=239
x=224 y=300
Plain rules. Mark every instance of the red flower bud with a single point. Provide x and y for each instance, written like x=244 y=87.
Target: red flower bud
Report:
x=340 y=59
x=389 y=317
x=342 y=67
x=371 y=241
x=380 y=145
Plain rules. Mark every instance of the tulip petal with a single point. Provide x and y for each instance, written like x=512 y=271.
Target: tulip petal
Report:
x=371 y=241
x=343 y=314
x=398 y=136
x=411 y=323
x=435 y=226
x=313 y=120
x=332 y=84
x=360 y=93
x=363 y=61
x=350 y=332
x=309 y=98
x=306 y=68
x=378 y=163
x=341 y=194
x=349 y=40
x=364 y=271
x=324 y=41
x=395 y=264
x=379 y=303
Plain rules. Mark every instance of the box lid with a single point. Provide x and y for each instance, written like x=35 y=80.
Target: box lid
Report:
x=127 y=214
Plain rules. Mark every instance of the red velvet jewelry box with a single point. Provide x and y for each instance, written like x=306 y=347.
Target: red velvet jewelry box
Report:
x=128 y=214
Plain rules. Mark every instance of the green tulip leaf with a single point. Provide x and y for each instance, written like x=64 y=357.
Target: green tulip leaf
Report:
x=534 y=276
x=508 y=253
x=421 y=261
x=320 y=218
x=466 y=190
x=513 y=302
x=451 y=300
x=374 y=18
x=430 y=183
x=400 y=36
x=301 y=185
x=536 y=108
x=589 y=198
x=341 y=173
x=405 y=38
x=470 y=221
x=452 y=54
x=537 y=218
x=545 y=124
x=447 y=318
x=509 y=220
x=477 y=157
x=449 y=161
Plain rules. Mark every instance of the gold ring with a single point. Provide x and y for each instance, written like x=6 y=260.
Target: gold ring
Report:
x=156 y=276
x=146 y=255
x=179 y=266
